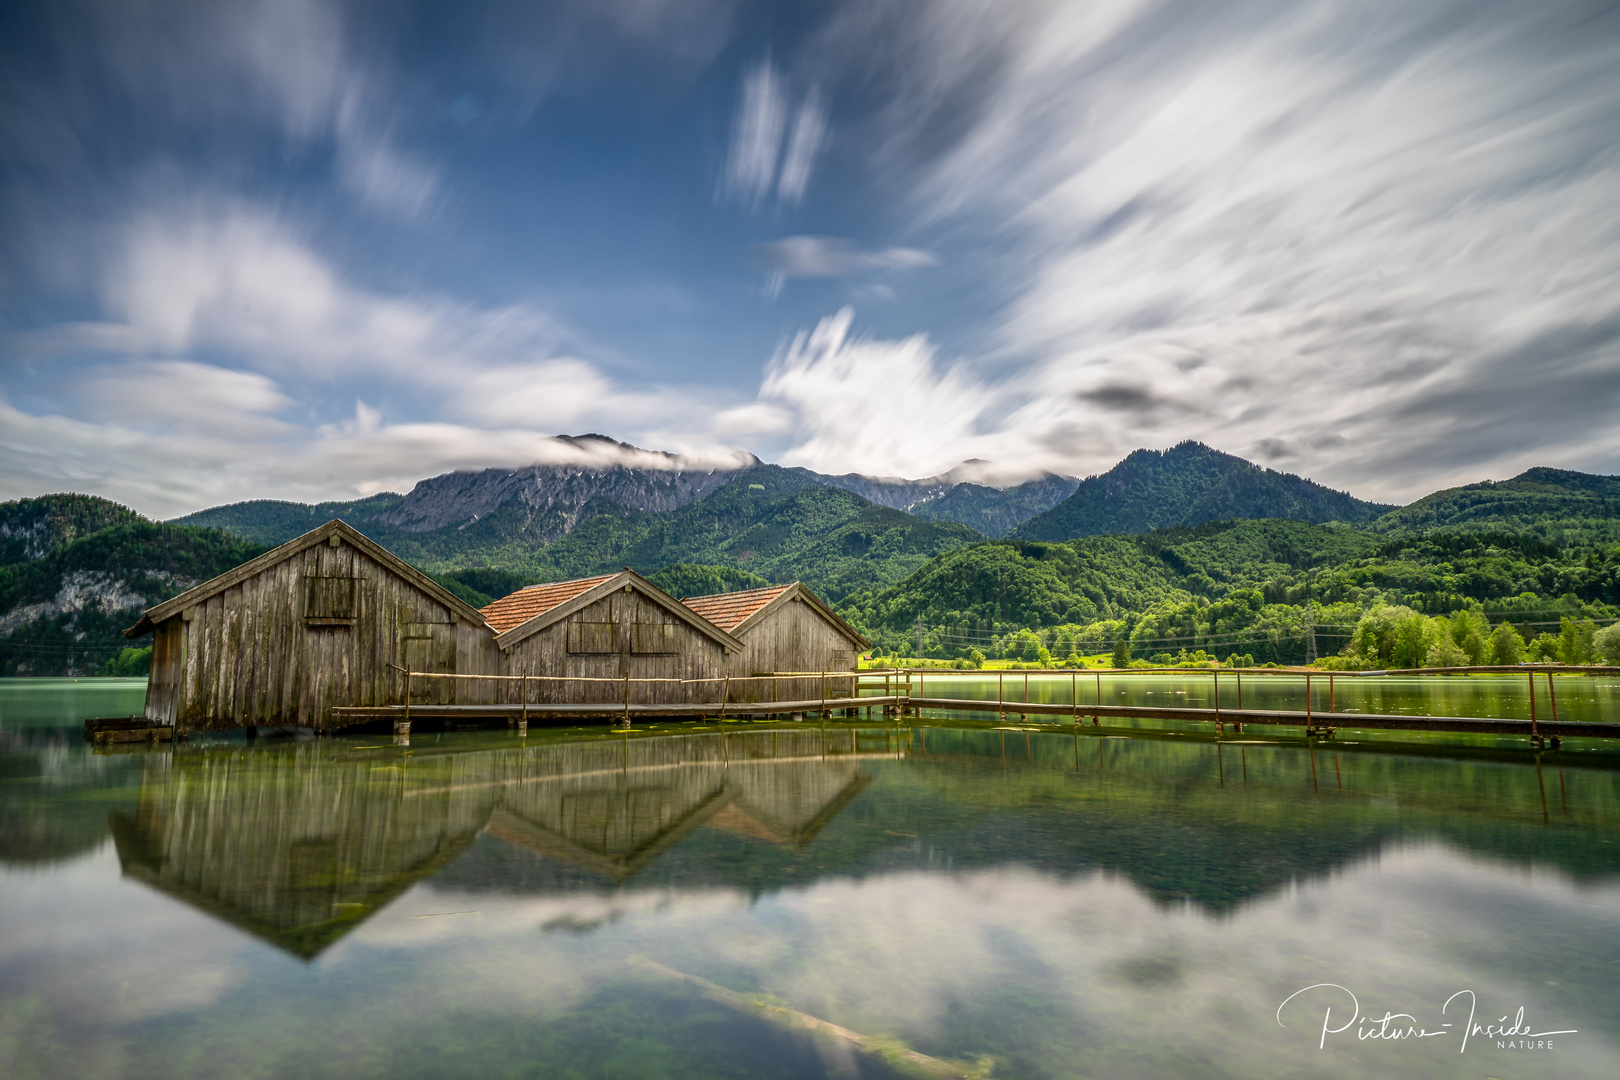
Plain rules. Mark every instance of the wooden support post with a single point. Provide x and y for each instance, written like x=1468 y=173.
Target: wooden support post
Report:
x=1330 y=691
x=407 y=698
x=1074 y=695
x=1001 y=711
x=1096 y=717
x=1217 y=700
x=725 y=694
x=1535 y=734
x=1308 y=706
x=1240 y=690
x=1025 y=715
x=1552 y=698
x=523 y=722
x=823 y=694
x=627 y=701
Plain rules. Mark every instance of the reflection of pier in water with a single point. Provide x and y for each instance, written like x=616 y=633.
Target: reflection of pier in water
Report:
x=298 y=845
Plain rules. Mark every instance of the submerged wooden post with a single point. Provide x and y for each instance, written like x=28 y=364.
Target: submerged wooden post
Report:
x=1308 y=704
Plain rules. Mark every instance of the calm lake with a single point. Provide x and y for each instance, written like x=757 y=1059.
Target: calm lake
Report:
x=796 y=900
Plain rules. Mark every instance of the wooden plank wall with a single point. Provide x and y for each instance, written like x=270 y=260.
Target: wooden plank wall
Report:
x=696 y=656
x=246 y=657
x=794 y=637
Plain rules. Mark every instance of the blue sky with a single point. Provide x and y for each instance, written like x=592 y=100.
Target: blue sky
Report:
x=312 y=250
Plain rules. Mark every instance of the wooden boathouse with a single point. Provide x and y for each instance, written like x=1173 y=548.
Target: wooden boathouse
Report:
x=595 y=640
x=328 y=620
x=784 y=628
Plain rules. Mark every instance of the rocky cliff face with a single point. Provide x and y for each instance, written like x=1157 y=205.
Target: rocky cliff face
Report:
x=555 y=497
x=971 y=478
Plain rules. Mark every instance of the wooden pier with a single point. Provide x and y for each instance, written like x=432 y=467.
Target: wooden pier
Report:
x=900 y=692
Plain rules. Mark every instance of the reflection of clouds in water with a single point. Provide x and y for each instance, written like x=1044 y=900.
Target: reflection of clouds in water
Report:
x=103 y=946
x=913 y=953
x=1107 y=971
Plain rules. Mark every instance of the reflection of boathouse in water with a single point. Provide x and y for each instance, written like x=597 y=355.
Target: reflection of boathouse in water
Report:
x=298 y=845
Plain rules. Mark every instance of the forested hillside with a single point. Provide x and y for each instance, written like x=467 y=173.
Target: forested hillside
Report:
x=76 y=586
x=1554 y=505
x=1244 y=587
x=1187 y=485
x=767 y=521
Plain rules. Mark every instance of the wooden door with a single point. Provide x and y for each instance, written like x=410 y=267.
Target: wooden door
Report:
x=429 y=647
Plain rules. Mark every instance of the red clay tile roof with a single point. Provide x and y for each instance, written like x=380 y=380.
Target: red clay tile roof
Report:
x=730 y=610
x=519 y=607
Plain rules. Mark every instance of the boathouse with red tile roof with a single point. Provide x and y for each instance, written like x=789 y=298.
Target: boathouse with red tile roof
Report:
x=784 y=628
x=578 y=640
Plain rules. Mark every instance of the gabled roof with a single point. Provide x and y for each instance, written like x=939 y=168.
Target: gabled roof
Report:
x=348 y=533
x=730 y=610
x=519 y=607
x=586 y=591
x=739 y=612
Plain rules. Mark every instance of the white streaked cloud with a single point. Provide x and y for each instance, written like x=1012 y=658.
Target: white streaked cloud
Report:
x=1374 y=243
x=758 y=162
x=859 y=404
x=831 y=256
x=756 y=140
x=443 y=384
x=808 y=137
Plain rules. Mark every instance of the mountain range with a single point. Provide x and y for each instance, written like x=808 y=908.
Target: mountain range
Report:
x=949 y=547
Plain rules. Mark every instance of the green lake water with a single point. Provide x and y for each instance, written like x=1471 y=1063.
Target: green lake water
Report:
x=1010 y=901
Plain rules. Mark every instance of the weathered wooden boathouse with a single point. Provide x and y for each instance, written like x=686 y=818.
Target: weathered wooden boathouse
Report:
x=784 y=628
x=327 y=620
x=594 y=640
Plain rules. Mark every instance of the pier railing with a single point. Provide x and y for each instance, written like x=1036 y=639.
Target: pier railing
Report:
x=903 y=690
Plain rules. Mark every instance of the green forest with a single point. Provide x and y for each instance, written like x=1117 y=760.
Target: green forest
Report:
x=1249 y=591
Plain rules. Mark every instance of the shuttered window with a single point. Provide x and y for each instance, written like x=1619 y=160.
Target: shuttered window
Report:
x=652 y=638
x=590 y=637
x=329 y=601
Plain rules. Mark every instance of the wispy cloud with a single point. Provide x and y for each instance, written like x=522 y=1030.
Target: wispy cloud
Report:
x=831 y=256
x=469 y=386
x=809 y=136
x=1385 y=224
x=849 y=403
x=758 y=163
